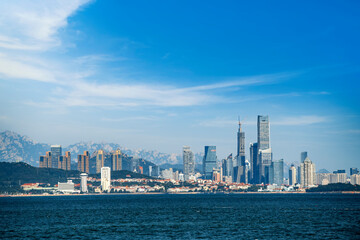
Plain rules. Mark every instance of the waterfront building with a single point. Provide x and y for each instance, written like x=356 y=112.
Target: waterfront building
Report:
x=167 y=174
x=116 y=160
x=240 y=156
x=45 y=161
x=355 y=179
x=264 y=151
x=105 y=179
x=307 y=173
x=322 y=178
x=67 y=187
x=99 y=160
x=83 y=183
x=83 y=162
x=303 y=156
x=209 y=161
x=65 y=161
x=276 y=174
x=188 y=162
x=56 y=152
x=254 y=166
x=354 y=171
x=292 y=175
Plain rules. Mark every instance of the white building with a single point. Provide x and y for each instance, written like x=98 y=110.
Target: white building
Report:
x=67 y=187
x=105 y=179
x=323 y=178
x=307 y=174
x=292 y=175
x=167 y=174
x=83 y=184
x=355 y=179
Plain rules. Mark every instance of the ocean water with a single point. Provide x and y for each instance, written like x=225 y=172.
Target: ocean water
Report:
x=202 y=216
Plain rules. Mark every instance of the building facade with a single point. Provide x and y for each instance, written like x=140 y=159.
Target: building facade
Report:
x=56 y=152
x=64 y=162
x=116 y=160
x=292 y=175
x=307 y=173
x=105 y=179
x=83 y=183
x=45 y=161
x=99 y=160
x=303 y=156
x=240 y=156
x=83 y=162
x=264 y=151
x=209 y=161
x=277 y=172
x=188 y=162
x=254 y=166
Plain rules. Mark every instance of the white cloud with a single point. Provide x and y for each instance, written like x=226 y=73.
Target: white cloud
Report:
x=300 y=120
x=33 y=24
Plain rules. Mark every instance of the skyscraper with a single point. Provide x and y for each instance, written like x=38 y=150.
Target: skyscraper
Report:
x=292 y=175
x=45 y=161
x=105 y=179
x=209 y=161
x=99 y=160
x=353 y=171
x=83 y=162
x=228 y=169
x=240 y=156
x=307 y=173
x=116 y=160
x=303 y=156
x=264 y=151
x=55 y=155
x=83 y=184
x=254 y=166
x=189 y=162
x=277 y=172
x=64 y=162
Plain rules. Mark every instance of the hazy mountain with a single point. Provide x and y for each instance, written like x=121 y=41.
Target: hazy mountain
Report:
x=15 y=147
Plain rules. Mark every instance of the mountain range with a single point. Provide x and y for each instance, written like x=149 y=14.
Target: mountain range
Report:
x=17 y=148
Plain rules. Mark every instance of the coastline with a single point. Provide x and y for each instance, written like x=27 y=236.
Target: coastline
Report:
x=181 y=193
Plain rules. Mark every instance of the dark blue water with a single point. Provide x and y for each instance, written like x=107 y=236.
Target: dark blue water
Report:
x=234 y=216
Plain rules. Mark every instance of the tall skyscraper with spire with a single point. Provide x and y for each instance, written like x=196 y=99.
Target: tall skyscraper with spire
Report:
x=240 y=156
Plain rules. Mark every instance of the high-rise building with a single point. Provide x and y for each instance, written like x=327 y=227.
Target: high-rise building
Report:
x=65 y=161
x=55 y=155
x=45 y=161
x=307 y=173
x=228 y=169
x=83 y=162
x=303 y=156
x=189 y=162
x=355 y=179
x=354 y=171
x=209 y=161
x=116 y=160
x=264 y=157
x=99 y=160
x=105 y=179
x=240 y=156
x=83 y=184
x=292 y=175
x=254 y=166
x=276 y=174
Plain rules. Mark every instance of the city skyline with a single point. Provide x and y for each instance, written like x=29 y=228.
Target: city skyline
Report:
x=154 y=79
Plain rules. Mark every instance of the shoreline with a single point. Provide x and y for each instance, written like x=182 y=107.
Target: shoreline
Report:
x=180 y=193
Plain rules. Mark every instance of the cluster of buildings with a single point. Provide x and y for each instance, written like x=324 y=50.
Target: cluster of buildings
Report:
x=261 y=169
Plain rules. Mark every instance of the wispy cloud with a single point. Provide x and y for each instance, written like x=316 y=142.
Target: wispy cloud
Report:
x=125 y=119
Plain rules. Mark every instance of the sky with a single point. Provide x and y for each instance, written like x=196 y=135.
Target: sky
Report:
x=158 y=75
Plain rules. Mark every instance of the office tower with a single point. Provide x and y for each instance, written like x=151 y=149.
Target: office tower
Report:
x=228 y=168
x=83 y=162
x=45 y=161
x=65 y=161
x=55 y=155
x=99 y=160
x=254 y=166
x=240 y=156
x=189 y=162
x=105 y=179
x=276 y=174
x=307 y=173
x=209 y=161
x=83 y=184
x=116 y=160
x=264 y=151
x=354 y=171
x=355 y=179
x=303 y=156
x=292 y=175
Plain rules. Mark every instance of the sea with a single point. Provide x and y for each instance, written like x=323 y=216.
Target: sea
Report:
x=182 y=216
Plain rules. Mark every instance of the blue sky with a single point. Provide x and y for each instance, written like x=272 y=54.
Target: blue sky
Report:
x=162 y=74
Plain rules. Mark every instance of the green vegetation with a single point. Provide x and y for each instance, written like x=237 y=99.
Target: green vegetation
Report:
x=335 y=187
